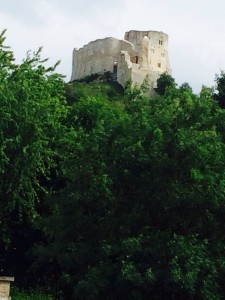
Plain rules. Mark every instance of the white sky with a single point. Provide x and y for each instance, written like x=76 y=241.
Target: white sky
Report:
x=195 y=28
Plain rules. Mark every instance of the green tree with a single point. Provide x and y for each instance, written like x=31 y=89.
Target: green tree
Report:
x=32 y=107
x=185 y=87
x=163 y=82
x=142 y=211
x=219 y=94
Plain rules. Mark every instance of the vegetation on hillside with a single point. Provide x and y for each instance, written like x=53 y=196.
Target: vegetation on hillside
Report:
x=110 y=194
x=17 y=294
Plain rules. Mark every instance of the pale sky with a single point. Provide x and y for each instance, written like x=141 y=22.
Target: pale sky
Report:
x=195 y=28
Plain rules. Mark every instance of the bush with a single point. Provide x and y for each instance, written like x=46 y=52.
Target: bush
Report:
x=29 y=295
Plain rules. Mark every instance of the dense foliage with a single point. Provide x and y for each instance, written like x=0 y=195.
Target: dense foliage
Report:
x=142 y=212
x=163 y=82
x=32 y=107
x=112 y=195
x=28 y=295
x=219 y=94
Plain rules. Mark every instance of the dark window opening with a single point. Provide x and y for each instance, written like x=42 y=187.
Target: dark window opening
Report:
x=159 y=65
x=160 y=42
x=115 y=67
x=136 y=59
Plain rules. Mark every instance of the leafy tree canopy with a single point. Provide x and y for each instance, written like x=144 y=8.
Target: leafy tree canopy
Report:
x=163 y=82
x=142 y=212
x=219 y=94
x=32 y=107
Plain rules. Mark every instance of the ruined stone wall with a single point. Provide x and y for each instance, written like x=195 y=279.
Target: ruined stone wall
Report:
x=98 y=56
x=125 y=68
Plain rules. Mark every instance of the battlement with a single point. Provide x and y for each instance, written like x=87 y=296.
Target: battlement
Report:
x=141 y=54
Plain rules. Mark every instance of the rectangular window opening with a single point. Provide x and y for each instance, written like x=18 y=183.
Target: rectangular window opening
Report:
x=115 y=67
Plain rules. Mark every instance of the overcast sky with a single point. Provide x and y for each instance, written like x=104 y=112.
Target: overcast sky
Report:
x=196 y=30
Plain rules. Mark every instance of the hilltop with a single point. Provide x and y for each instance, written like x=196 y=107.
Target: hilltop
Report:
x=94 y=86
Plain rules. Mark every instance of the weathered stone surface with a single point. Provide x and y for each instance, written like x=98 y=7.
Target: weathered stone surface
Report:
x=5 y=287
x=98 y=57
x=144 y=53
x=140 y=54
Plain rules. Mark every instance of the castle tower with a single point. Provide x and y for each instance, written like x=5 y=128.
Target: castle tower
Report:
x=158 y=48
x=155 y=59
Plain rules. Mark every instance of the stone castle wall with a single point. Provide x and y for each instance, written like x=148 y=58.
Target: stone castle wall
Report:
x=140 y=54
x=98 y=56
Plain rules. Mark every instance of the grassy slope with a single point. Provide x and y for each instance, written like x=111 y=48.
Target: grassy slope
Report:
x=111 y=91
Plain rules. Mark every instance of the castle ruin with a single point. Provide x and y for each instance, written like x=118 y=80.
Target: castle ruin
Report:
x=142 y=54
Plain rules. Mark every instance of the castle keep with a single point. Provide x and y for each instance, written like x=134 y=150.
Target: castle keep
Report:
x=142 y=54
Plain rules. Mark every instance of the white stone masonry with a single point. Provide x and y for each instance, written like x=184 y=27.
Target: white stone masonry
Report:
x=141 y=54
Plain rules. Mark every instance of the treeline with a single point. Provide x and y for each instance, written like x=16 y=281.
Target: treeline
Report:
x=106 y=194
